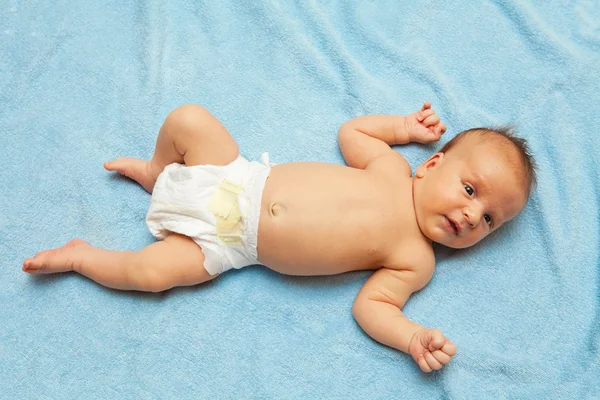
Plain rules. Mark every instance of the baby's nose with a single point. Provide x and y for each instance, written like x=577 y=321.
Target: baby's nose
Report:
x=473 y=215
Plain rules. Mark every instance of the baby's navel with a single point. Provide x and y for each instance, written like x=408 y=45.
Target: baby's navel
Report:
x=276 y=209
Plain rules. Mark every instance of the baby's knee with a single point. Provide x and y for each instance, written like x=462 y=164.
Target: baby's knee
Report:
x=187 y=116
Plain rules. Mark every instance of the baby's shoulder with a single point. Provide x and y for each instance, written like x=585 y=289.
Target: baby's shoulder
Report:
x=413 y=255
x=392 y=164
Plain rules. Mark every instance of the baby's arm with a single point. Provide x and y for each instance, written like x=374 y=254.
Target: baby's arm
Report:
x=377 y=309
x=363 y=139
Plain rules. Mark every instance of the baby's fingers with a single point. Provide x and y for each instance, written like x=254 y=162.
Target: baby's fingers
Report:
x=441 y=357
x=431 y=120
x=423 y=363
x=440 y=129
x=432 y=362
x=423 y=114
x=449 y=348
x=437 y=340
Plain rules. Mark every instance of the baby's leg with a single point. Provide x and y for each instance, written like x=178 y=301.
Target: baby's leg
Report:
x=190 y=135
x=175 y=261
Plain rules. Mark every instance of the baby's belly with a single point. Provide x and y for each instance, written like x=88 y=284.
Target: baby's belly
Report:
x=320 y=219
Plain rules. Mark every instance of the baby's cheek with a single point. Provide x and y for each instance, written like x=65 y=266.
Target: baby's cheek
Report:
x=479 y=237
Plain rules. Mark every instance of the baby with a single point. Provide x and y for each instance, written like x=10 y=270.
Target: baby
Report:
x=215 y=211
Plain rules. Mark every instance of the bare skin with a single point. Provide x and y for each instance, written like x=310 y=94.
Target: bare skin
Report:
x=322 y=219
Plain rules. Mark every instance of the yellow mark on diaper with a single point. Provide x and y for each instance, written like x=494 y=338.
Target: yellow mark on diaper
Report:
x=224 y=205
x=225 y=198
x=230 y=239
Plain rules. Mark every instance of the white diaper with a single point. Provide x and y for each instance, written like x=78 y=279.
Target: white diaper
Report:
x=217 y=206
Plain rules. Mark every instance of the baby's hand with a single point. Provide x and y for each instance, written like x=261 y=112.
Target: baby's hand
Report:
x=430 y=349
x=424 y=126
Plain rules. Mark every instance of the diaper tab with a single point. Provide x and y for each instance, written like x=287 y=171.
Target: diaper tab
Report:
x=230 y=239
x=264 y=157
x=224 y=200
x=224 y=206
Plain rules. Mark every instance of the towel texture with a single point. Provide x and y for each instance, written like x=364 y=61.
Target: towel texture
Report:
x=84 y=82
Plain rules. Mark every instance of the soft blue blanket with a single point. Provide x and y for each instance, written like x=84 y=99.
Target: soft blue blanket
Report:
x=83 y=82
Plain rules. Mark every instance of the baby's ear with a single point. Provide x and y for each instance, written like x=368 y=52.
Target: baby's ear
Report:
x=430 y=163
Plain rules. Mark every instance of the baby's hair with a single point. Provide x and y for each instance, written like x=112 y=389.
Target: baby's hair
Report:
x=507 y=132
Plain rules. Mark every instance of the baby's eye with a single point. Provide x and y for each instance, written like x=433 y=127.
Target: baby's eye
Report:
x=488 y=219
x=469 y=190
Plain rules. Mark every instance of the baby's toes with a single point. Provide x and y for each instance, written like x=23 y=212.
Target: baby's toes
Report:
x=33 y=265
x=47 y=262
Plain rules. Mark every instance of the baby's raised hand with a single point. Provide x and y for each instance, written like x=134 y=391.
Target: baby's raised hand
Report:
x=424 y=126
x=430 y=349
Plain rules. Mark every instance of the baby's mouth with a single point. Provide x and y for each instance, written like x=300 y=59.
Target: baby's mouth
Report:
x=453 y=225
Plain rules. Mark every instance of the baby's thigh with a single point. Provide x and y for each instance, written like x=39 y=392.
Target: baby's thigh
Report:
x=175 y=261
x=200 y=137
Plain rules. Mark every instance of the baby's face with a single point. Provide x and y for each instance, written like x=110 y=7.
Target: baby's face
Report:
x=463 y=196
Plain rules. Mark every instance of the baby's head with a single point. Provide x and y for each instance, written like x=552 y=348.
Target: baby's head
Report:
x=481 y=179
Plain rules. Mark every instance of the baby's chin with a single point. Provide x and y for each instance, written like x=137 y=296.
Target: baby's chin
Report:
x=452 y=242
x=456 y=244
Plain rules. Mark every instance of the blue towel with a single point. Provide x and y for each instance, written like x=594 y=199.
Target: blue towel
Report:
x=84 y=82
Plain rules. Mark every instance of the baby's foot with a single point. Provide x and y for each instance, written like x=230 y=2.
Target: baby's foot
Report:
x=134 y=168
x=63 y=259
